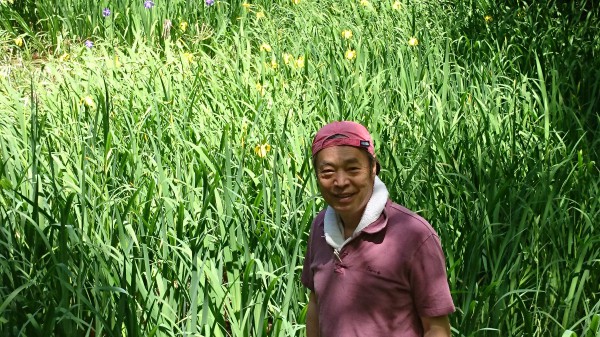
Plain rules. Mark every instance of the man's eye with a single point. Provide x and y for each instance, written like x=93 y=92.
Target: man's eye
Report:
x=326 y=173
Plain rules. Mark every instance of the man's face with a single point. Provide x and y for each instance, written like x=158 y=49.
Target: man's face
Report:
x=346 y=180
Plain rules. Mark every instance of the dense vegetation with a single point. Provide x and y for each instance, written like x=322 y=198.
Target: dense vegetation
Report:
x=154 y=157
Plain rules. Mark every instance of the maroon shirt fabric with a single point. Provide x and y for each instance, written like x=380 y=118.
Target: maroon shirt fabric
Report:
x=383 y=280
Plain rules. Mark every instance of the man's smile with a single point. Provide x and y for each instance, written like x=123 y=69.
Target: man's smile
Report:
x=344 y=197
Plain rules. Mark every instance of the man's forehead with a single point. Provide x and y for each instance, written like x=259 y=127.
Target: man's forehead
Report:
x=341 y=155
x=351 y=160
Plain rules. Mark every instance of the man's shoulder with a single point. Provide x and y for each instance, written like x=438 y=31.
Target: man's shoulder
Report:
x=406 y=219
x=319 y=220
x=395 y=209
x=320 y=217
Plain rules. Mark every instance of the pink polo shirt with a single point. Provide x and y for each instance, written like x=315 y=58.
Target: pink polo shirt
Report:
x=382 y=281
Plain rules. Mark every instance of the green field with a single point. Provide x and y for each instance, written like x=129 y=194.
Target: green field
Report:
x=155 y=175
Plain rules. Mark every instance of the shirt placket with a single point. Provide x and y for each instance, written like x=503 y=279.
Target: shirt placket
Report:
x=338 y=260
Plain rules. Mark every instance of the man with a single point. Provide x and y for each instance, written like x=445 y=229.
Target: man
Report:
x=373 y=267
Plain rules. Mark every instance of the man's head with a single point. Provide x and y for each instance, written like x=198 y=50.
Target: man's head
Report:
x=344 y=161
x=345 y=133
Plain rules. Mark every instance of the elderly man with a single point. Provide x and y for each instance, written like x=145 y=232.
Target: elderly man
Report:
x=373 y=267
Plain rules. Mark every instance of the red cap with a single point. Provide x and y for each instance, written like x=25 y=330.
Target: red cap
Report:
x=350 y=134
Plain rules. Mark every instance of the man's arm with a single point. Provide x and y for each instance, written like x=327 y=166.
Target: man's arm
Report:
x=312 y=316
x=436 y=326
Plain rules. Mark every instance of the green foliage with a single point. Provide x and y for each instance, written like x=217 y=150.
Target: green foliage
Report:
x=159 y=183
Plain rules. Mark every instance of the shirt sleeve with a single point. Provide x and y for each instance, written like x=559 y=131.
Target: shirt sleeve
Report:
x=429 y=283
x=307 y=274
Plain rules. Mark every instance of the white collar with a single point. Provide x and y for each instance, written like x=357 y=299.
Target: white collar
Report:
x=333 y=227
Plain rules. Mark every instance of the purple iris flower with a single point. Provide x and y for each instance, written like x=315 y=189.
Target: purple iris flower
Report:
x=209 y=2
x=105 y=12
x=148 y=4
x=88 y=43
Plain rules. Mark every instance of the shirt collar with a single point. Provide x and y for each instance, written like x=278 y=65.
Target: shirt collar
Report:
x=380 y=223
x=371 y=215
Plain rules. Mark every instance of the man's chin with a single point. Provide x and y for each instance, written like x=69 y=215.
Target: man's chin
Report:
x=343 y=209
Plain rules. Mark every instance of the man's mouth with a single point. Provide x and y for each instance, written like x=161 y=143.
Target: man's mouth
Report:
x=344 y=197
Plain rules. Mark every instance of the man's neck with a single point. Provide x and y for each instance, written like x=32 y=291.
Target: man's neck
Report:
x=349 y=226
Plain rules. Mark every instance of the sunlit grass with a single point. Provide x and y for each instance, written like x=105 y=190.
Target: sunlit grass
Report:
x=159 y=183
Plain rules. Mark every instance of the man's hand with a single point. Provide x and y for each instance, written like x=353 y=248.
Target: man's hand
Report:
x=436 y=326
x=312 y=316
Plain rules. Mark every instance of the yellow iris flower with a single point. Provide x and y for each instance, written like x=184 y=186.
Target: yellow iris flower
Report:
x=183 y=25
x=261 y=150
x=266 y=47
x=350 y=54
x=287 y=58
x=88 y=101
x=188 y=57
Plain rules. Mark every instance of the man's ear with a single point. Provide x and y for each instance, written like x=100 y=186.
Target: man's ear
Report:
x=374 y=168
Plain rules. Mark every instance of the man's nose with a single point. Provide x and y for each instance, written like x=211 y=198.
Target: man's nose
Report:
x=341 y=179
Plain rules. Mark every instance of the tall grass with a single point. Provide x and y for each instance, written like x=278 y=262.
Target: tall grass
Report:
x=159 y=184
